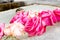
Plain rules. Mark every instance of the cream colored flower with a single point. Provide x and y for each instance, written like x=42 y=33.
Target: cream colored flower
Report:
x=14 y=29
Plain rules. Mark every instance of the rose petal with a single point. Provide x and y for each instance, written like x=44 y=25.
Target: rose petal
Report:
x=57 y=13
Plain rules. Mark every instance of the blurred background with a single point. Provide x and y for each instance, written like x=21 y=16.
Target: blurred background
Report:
x=11 y=4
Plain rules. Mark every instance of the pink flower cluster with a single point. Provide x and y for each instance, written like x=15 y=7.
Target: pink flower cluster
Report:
x=35 y=23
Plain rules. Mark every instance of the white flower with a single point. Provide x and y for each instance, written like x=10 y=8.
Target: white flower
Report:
x=14 y=29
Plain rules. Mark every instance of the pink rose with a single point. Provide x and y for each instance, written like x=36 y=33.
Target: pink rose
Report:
x=34 y=26
x=48 y=17
x=2 y=25
x=21 y=17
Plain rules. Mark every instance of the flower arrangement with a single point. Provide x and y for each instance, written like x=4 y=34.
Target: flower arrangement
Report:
x=27 y=24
